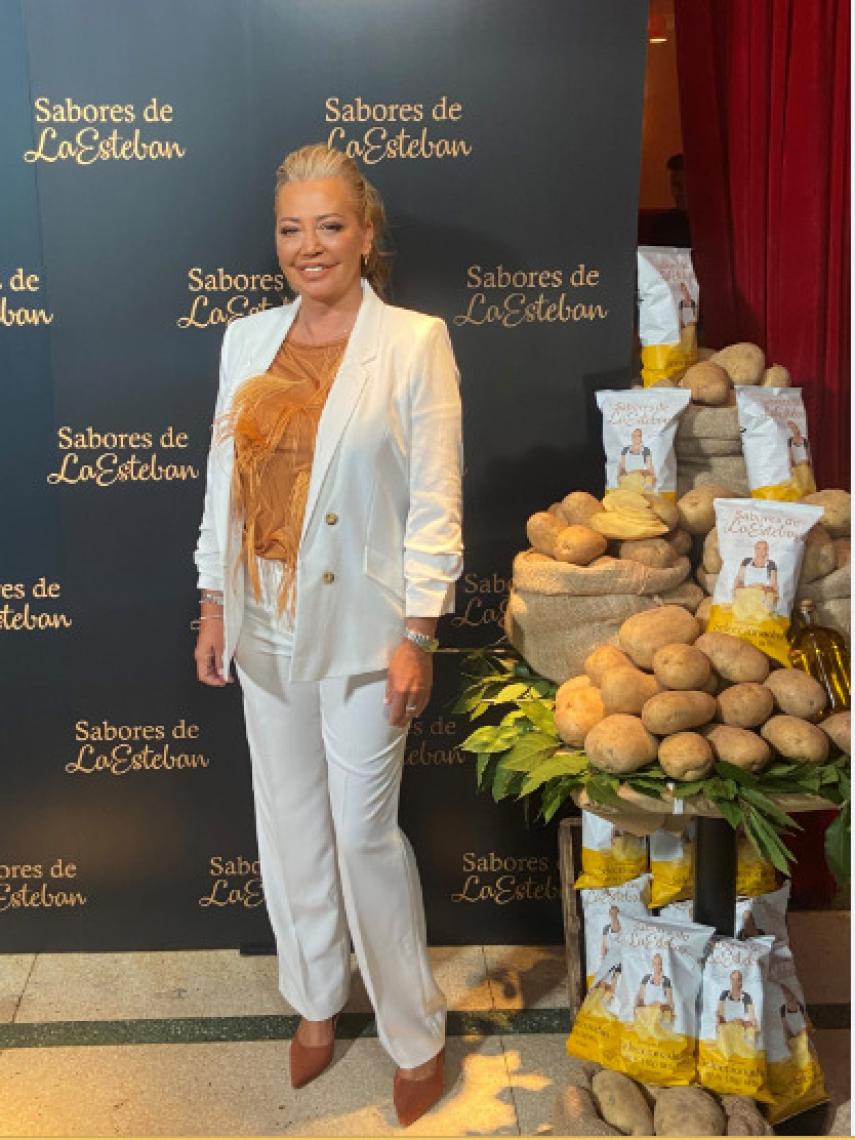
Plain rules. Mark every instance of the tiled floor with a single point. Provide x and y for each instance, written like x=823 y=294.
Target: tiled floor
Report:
x=504 y=1058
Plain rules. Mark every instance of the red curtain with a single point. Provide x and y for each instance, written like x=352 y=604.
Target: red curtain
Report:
x=764 y=95
x=764 y=98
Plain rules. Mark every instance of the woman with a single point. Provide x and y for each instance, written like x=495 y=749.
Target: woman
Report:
x=329 y=546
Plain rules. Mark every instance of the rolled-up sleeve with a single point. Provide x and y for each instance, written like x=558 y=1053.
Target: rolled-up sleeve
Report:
x=207 y=555
x=433 y=542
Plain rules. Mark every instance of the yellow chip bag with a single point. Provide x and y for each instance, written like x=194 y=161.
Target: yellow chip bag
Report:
x=731 y=1043
x=762 y=546
x=775 y=444
x=795 y=1076
x=754 y=875
x=638 y=438
x=604 y=909
x=657 y=996
x=609 y=856
x=595 y=1035
x=672 y=866
x=667 y=312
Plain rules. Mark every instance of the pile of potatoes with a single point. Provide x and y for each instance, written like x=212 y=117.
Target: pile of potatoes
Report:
x=579 y=529
x=711 y=380
x=671 y=693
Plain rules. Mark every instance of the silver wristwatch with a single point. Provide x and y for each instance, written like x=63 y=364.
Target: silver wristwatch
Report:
x=428 y=644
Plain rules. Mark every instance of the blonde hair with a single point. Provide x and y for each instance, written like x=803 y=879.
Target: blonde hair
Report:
x=321 y=161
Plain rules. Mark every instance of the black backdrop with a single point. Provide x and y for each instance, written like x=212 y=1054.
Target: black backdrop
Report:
x=139 y=142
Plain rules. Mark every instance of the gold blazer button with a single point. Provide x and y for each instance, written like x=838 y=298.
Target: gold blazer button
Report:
x=331 y=518
x=328 y=577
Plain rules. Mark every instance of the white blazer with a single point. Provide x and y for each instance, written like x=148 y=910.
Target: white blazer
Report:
x=381 y=535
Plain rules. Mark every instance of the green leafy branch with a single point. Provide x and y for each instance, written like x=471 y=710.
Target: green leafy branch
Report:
x=521 y=755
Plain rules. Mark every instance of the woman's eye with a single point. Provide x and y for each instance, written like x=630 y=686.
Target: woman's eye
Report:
x=336 y=226
x=287 y=231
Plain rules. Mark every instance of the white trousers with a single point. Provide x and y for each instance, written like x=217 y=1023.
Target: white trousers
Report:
x=326 y=773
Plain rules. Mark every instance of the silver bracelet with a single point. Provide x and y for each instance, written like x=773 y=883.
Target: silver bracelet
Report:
x=422 y=640
x=214 y=599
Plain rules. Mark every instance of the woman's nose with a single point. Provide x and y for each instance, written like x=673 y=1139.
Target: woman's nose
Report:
x=311 y=241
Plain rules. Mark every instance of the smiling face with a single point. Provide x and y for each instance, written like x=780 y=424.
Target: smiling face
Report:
x=761 y=552
x=657 y=965
x=735 y=983
x=320 y=240
x=636 y=439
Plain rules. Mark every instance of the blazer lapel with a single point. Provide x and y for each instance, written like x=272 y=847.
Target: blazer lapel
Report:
x=344 y=394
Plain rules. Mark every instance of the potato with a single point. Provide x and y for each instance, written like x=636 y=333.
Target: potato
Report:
x=744 y=363
x=738 y=746
x=708 y=383
x=557 y=510
x=665 y=509
x=577 y=710
x=746 y=705
x=732 y=658
x=579 y=545
x=838 y=727
x=620 y=744
x=600 y=660
x=578 y=507
x=580 y=682
x=842 y=551
x=681 y=540
x=702 y=613
x=686 y=756
x=574 y=1114
x=642 y=634
x=657 y=552
x=542 y=529
x=712 y=555
x=797 y=693
x=705 y=353
x=671 y=712
x=621 y=1103
x=666 y=382
x=697 y=514
x=820 y=557
x=743 y=1116
x=681 y=666
x=625 y=690
x=796 y=739
x=837 y=506
x=687 y=1112
x=776 y=376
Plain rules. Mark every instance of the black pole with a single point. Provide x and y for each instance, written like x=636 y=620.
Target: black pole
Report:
x=715 y=874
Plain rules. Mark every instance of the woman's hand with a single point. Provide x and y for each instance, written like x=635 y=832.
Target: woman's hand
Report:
x=209 y=650
x=408 y=683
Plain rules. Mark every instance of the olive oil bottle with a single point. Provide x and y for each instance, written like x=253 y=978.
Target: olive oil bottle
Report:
x=823 y=653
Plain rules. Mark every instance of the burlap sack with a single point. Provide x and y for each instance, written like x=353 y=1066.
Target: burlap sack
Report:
x=700 y=448
x=728 y=469
x=556 y=632
x=539 y=574
x=837 y=584
x=699 y=422
x=836 y=614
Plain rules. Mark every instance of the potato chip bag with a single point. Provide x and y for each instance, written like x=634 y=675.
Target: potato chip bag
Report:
x=595 y=1034
x=775 y=443
x=680 y=912
x=667 y=312
x=731 y=1043
x=671 y=866
x=795 y=1076
x=762 y=546
x=754 y=875
x=604 y=909
x=764 y=915
x=657 y=996
x=609 y=856
x=639 y=427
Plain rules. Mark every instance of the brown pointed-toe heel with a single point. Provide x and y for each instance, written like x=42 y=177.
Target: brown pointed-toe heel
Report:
x=414 y=1098
x=309 y=1061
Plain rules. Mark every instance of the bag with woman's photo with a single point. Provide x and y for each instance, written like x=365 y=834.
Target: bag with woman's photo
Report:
x=795 y=1075
x=657 y=997
x=605 y=908
x=775 y=442
x=731 y=1044
x=667 y=312
x=610 y=856
x=638 y=438
x=761 y=546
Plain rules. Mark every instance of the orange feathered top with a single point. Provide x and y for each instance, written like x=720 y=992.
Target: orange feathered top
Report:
x=274 y=421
